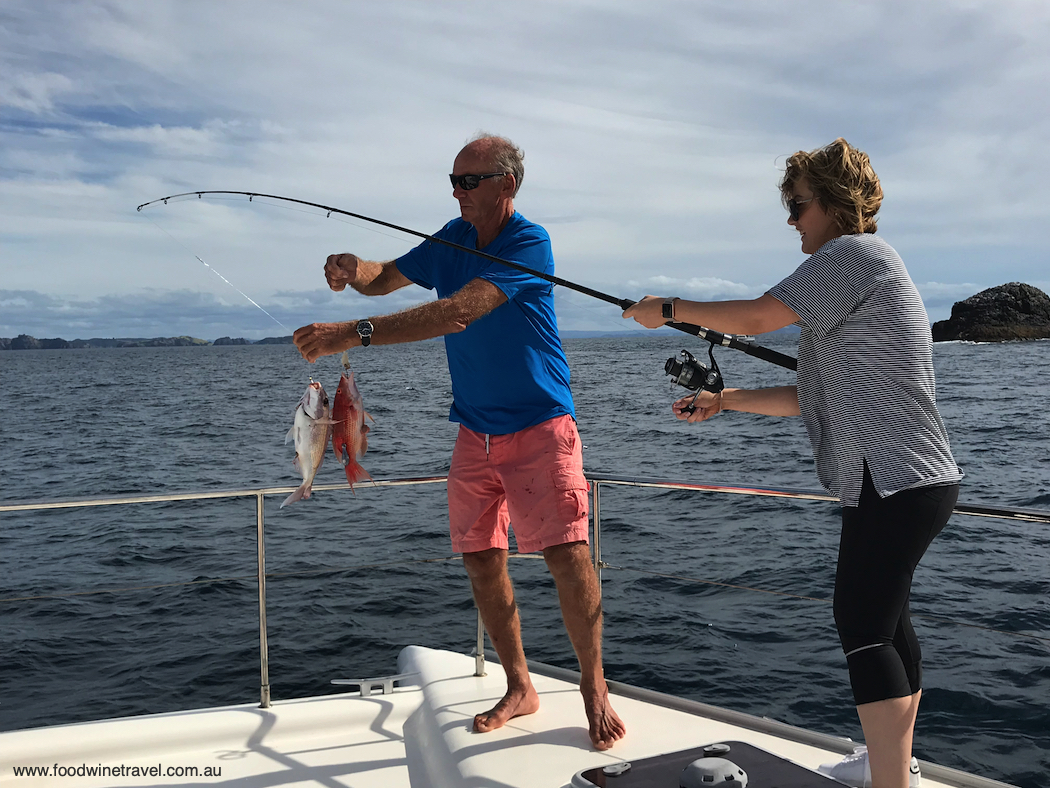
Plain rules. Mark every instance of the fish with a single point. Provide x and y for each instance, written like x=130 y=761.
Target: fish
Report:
x=349 y=435
x=311 y=430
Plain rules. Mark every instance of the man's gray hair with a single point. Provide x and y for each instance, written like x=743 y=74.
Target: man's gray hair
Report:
x=503 y=155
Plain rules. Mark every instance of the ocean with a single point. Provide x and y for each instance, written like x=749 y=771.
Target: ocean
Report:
x=136 y=609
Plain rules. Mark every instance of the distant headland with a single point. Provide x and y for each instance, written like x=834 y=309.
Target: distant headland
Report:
x=999 y=314
x=1014 y=311
x=26 y=342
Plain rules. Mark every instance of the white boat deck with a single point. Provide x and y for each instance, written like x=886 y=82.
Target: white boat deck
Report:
x=419 y=735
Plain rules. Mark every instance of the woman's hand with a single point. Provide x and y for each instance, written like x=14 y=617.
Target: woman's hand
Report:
x=706 y=405
x=648 y=312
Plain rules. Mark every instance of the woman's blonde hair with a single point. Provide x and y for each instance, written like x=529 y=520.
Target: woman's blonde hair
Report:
x=842 y=181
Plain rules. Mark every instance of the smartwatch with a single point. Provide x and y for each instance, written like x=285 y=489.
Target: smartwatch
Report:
x=364 y=330
x=667 y=310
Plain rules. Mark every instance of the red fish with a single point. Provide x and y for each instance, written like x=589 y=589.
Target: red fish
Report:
x=349 y=435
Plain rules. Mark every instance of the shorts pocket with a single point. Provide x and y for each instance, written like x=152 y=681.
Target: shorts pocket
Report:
x=570 y=490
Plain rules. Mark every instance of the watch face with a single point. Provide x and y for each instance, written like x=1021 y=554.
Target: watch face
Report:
x=364 y=328
x=668 y=310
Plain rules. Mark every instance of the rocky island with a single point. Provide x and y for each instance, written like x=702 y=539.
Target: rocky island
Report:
x=998 y=314
x=26 y=342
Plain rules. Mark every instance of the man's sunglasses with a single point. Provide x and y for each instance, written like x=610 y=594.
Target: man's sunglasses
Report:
x=794 y=211
x=468 y=182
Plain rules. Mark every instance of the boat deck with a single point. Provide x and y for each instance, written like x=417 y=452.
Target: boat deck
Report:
x=418 y=735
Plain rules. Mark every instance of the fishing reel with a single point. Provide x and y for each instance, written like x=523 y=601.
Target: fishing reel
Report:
x=691 y=373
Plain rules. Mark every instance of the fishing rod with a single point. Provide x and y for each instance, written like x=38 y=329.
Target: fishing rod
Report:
x=714 y=337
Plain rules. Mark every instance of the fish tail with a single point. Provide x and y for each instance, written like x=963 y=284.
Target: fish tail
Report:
x=355 y=472
x=302 y=491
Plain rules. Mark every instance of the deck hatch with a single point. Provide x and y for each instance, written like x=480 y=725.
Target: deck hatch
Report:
x=662 y=771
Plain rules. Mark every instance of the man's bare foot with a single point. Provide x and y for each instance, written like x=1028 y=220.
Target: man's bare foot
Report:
x=605 y=727
x=516 y=703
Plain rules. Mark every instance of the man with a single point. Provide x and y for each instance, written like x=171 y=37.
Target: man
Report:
x=518 y=455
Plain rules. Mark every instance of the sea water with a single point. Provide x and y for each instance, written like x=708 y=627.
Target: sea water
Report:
x=143 y=608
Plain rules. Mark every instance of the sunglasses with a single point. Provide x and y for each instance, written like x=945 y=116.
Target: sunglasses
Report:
x=468 y=182
x=794 y=211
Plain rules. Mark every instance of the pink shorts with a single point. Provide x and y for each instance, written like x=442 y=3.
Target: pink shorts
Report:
x=532 y=478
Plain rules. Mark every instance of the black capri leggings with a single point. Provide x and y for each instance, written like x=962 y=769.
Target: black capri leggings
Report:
x=881 y=544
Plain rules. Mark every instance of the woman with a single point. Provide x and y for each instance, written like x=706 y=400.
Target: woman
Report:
x=865 y=391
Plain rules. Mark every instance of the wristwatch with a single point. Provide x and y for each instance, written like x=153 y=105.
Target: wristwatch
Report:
x=667 y=310
x=364 y=330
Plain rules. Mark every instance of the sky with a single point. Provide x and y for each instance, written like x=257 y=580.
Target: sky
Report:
x=654 y=134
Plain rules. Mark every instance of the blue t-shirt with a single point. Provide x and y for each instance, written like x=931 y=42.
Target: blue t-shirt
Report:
x=508 y=368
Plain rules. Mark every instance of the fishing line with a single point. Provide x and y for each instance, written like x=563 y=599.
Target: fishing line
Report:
x=223 y=278
x=714 y=337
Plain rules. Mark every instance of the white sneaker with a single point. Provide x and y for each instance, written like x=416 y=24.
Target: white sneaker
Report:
x=855 y=771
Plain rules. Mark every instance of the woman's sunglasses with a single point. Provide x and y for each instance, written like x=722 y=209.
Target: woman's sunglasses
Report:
x=794 y=211
x=468 y=182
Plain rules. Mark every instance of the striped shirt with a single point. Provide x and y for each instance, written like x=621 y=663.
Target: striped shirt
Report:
x=865 y=370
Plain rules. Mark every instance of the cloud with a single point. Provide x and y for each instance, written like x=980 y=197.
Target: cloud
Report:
x=171 y=141
x=33 y=93
x=706 y=288
x=654 y=135
x=157 y=313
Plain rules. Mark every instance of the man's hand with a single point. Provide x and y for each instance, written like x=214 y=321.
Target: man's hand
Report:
x=341 y=270
x=324 y=339
x=648 y=312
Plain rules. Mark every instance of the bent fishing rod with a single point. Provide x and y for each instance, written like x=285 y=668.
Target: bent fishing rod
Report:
x=714 y=337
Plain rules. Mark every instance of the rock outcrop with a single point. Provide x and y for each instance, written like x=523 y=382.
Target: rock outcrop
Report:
x=275 y=341
x=1010 y=311
x=182 y=341
x=26 y=342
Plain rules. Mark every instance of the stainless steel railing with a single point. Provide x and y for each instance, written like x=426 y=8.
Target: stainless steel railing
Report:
x=260 y=494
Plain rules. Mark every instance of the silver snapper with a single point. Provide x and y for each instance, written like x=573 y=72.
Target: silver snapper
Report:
x=311 y=430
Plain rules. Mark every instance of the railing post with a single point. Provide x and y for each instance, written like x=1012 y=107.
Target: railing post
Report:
x=596 y=509
x=479 y=654
x=264 y=658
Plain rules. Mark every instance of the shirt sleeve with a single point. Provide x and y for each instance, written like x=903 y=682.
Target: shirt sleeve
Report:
x=531 y=249
x=417 y=264
x=826 y=289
